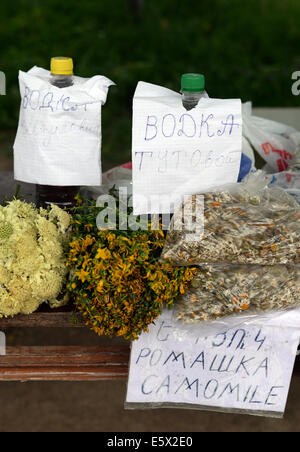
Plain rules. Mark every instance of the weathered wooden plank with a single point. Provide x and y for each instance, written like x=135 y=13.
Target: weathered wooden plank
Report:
x=64 y=363
x=57 y=319
x=63 y=373
x=65 y=355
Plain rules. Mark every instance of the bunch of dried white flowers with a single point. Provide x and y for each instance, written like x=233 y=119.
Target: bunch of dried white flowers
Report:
x=32 y=261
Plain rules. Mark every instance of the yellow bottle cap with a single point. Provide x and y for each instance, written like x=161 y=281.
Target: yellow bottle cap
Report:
x=62 y=66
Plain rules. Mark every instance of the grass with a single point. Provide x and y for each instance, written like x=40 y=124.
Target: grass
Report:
x=246 y=49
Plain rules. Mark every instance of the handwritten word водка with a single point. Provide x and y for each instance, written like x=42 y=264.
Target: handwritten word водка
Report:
x=189 y=126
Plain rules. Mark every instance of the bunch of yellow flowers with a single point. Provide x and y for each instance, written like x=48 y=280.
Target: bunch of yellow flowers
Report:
x=118 y=282
x=32 y=259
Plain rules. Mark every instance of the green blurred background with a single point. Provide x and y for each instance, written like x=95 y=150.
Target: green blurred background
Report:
x=247 y=49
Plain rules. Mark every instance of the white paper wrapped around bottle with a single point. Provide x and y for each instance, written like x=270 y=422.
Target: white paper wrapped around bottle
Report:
x=176 y=152
x=59 y=135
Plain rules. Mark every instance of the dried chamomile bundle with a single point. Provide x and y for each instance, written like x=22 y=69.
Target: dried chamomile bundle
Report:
x=239 y=226
x=225 y=290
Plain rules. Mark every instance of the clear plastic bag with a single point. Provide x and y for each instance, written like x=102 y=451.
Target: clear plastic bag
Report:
x=243 y=223
x=221 y=291
x=288 y=181
x=276 y=143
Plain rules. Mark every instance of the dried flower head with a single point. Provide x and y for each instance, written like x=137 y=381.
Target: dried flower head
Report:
x=32 y=262
x=6 y=230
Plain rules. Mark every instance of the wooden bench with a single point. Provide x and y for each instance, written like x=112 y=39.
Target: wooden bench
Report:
x=60 y=363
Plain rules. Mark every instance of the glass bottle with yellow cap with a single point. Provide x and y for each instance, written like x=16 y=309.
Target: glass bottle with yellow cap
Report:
x=61 y=77
x=62 y=72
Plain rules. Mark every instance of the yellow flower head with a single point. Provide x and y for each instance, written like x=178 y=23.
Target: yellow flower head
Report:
x=103 y=253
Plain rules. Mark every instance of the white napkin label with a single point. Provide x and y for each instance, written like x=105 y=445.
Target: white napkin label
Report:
x=59 y=135
x=176 y=152
x=246 y=368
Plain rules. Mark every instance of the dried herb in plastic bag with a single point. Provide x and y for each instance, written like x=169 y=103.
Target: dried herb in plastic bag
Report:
x=224 y=290
x=240 y=227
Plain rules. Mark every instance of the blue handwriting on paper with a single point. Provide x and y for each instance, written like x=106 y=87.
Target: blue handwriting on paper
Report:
x=47 y=101
x=186 y=125
x=219 y=372
x=194 y=159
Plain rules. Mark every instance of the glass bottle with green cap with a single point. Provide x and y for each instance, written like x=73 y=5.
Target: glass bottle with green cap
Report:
x=192 y=89
x=61 y=77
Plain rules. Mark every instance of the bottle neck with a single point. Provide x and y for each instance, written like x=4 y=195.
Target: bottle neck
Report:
x=61 y=80
x=191 y=99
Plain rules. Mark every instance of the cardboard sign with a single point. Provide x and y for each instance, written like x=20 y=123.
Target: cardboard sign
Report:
x=176 y=152
x=245 y=369
x=59 y=135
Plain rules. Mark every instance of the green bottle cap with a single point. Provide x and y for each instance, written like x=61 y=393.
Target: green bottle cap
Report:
x=194 y=83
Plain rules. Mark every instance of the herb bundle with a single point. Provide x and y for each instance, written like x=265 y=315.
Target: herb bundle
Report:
x=117 y=280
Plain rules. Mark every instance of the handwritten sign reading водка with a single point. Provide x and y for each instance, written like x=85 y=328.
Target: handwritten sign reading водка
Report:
x=176 y=152
x=246 y=369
